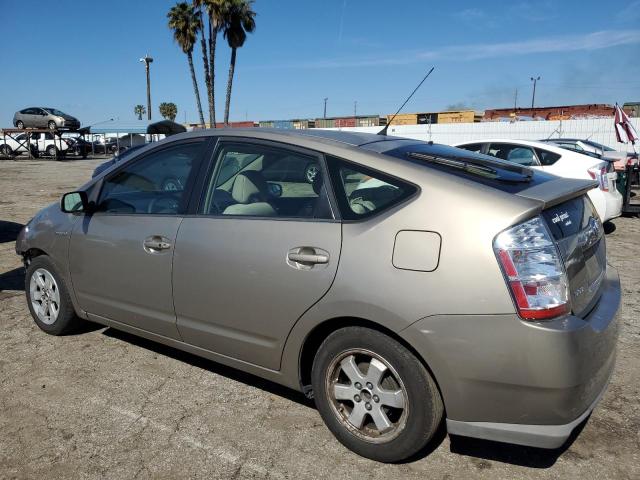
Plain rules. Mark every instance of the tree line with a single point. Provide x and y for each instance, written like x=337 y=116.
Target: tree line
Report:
x=206 y=19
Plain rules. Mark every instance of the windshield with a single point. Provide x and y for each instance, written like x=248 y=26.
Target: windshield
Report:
x=55 y=112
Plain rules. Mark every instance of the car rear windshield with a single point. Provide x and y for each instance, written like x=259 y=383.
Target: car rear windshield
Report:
x=480 y=168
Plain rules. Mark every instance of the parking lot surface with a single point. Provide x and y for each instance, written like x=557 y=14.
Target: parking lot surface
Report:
x=104 y=404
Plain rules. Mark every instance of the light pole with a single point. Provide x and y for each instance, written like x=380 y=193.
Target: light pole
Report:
x=324 y=115
x=147 y=60
x=533 y=97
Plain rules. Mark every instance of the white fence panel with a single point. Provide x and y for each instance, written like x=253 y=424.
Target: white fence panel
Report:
x=599 y=130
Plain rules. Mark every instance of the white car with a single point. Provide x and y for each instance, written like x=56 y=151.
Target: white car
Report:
x=46 y=143
x=561 y=162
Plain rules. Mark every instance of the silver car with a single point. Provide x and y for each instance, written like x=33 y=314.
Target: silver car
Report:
x=407 y=285
x=44 y=117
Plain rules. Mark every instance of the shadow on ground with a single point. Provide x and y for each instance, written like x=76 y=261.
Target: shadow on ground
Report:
x=12 y=280
x=531 y=457
x=213 y=367
x=9 y=231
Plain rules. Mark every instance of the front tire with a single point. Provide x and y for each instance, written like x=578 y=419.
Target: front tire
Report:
x=374 y=395
x=48 y=298
x=20 y=124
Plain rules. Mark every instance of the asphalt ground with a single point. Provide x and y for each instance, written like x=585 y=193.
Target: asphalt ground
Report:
x=105 y=404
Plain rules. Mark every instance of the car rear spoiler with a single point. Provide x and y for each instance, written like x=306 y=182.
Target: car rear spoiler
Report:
x=558 y=190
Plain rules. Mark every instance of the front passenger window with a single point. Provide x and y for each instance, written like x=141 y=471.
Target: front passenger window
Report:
x=155 y=184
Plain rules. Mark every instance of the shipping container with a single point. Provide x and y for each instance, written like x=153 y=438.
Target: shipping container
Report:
x=370 y=121
x=247 y=124
x=266 y=124
x=303 y=124
x=325 y=123
x=427 y=118
x=345 y=122
x=403 y=119
x=285 y=124
x=465 y=116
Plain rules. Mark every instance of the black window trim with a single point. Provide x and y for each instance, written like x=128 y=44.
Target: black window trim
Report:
x=339 y=189
x=98 y=187
x=213 y=167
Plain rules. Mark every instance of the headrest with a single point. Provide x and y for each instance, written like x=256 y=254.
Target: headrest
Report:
x=317 y=183
x=249 y=187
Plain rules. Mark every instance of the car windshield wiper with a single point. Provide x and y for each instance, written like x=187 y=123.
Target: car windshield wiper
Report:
x=481 y=167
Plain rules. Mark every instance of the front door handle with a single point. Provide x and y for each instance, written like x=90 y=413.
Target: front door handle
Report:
x=306 y=258
x=312 y=258
x=156 y=243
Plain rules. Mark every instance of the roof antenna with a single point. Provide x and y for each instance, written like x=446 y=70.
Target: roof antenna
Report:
x=384 y=130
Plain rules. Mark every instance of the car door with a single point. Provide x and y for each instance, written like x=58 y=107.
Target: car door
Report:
x=257 y=254
x=121 y=255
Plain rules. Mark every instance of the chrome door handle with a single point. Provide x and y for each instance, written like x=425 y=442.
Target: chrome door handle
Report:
x=156 y=243
x=308 y=258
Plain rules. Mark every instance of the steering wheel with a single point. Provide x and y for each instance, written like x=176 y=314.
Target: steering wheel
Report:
x=163 y=205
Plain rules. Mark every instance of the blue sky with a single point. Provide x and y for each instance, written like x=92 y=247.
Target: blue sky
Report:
x=82 y=57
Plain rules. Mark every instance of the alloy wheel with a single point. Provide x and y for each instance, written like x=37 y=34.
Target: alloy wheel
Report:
x=367 y=395
x=45 y=296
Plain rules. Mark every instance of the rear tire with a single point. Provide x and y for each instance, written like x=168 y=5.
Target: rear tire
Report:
x=51 y=125
x=20 y=124
x=6 y=151
x=388 y=416
x=52 y=151
x=48 y=298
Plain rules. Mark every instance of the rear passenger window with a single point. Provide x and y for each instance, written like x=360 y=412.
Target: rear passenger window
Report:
x=362 y=192
x=513 y=153
x=546 y=157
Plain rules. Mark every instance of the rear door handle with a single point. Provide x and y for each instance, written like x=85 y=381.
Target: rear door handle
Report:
x=312 y=258
x=156 y=243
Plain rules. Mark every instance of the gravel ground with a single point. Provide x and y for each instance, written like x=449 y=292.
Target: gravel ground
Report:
x=104 y=404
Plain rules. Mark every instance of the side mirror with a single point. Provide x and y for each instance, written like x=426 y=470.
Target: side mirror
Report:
x=74 y=202
x=275 y=189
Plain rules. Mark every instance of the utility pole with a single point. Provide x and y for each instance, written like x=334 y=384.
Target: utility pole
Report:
x=533 y=97
x=147 y=60
x=324 y=115
x=515 y=102
x=355 y=108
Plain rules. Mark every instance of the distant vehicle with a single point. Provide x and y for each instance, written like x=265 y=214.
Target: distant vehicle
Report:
x=561 y=162
x=9 y=147
x=45 y=117
x=47 y=143
x=589 y=147
x=78 y=146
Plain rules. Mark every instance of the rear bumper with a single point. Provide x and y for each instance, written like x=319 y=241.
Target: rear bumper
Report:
x=541 y=436
x=522 y=382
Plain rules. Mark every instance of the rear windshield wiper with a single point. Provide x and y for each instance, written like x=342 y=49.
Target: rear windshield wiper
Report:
x=480 y=167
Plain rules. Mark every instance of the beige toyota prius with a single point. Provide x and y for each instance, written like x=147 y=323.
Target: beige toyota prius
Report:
x=400 y=284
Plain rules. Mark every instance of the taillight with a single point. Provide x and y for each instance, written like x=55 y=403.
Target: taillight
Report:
x=534 y=270
x=600 y=174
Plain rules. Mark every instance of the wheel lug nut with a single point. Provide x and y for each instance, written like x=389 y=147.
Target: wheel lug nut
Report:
x=369 y=385
x=367 y=406
x=376 y=398
x=357 y=398
x=358 y=385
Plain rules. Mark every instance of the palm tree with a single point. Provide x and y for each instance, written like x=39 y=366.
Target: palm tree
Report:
x=139 y=110
x=208 y=73
x=185 y=23
x=168 y=110
x=240 y=21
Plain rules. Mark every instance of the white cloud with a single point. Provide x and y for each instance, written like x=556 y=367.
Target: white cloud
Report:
x=476 y=51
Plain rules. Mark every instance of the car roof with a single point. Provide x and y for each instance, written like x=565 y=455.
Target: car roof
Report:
x=529 y=143
x=311 y=138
